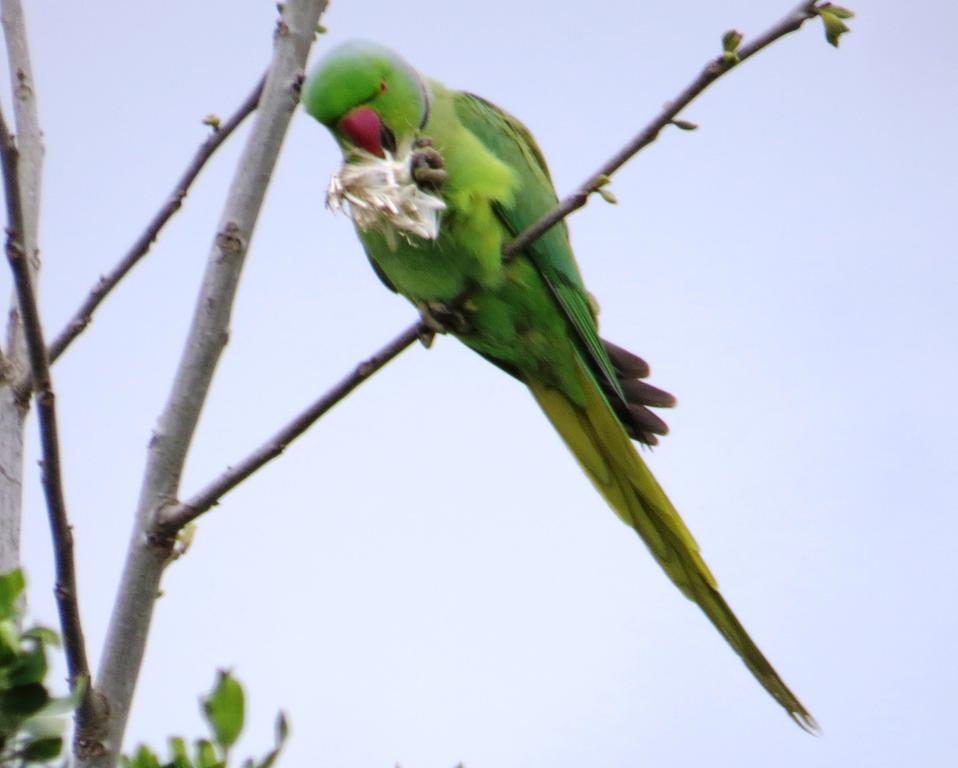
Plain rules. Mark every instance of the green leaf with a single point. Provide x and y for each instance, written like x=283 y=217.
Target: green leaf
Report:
x=206 y=755
x=42 y=726
x=837 y=10
x=43 y=635
x=42 y=750
x=24 y=700
x=181 y=758
x=730 y=43
x=31 y=667
x=608 y=196
x=282 y=733
x=731 y=40
x=60 y=705
x=834 y=26
x=9 y=641
x=11 y=586
x=282 y=728
x=143 y=758
x=224 y=710
x=268 y=760
x=600 y=188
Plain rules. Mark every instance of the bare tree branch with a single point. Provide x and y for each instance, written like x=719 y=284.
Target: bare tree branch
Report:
x=173 y=518
x=141 y=246
x=147 y=556
x=712 y=72
x=29 y=136
x=13 y=409
x=66 y=584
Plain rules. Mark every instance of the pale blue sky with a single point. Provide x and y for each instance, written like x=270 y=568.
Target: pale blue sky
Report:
x=427 y=577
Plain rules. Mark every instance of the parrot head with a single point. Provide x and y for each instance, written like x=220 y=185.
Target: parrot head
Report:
x=368 y=97
x=374 y=104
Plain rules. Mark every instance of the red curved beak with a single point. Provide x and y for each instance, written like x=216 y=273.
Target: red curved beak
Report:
x=364 y=129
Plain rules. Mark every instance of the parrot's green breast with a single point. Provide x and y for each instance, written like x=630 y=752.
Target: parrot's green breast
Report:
x=510 y=318
x=511 y=315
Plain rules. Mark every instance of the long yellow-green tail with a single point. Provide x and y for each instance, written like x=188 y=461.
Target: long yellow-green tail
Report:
x=602 y=447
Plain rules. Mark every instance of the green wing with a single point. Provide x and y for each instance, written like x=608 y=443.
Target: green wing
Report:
x=512 y=143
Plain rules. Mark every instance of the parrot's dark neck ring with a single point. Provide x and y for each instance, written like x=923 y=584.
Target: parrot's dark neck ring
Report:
x=424 y=91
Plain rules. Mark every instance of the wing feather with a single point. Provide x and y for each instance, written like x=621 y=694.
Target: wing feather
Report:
x=512 y=142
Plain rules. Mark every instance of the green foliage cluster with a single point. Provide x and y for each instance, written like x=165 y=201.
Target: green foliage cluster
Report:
x=224 y=710
x=31 y=721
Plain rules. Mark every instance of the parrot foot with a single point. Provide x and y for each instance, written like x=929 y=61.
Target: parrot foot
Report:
x=426 y=336
x=439 y=317
x=427 y=166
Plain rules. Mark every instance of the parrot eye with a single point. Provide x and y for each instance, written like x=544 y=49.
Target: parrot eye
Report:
x=383 y=86
x=387 y=140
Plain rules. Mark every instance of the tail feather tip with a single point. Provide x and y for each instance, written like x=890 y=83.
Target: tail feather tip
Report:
x=806 y=722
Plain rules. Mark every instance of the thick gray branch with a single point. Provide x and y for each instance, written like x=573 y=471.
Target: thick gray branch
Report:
x=27 y=121
x=146 y=558
x=14 y=362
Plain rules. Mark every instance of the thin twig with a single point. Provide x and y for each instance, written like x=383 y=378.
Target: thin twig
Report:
x=66 y=585
x=84 y=313
x=175 y=517
x=712 y=72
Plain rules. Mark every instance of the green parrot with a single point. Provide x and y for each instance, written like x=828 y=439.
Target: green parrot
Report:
x=437 y=182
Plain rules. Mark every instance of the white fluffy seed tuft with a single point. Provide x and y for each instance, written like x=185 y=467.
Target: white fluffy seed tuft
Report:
x=379 y=193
